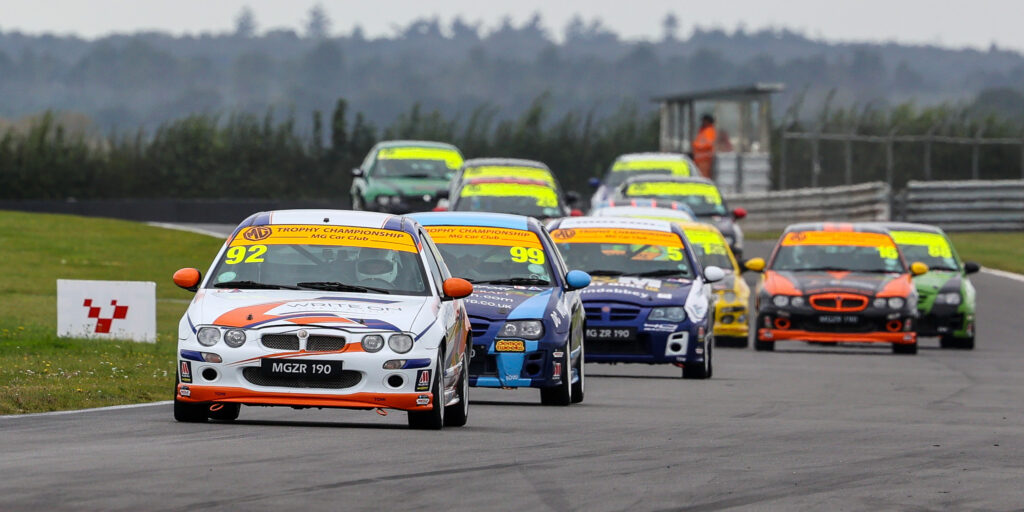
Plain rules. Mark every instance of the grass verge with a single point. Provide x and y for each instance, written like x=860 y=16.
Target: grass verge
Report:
x=1004 y=250
x=41 y=372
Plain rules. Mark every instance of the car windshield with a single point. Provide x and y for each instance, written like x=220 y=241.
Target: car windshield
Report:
x=837 y=251
x=493 y=255
x=711 y=249
x=703 y=198
x=502 y=197
x=931 y=249
x=317 y=257
x=430 y=169
x=620 y=251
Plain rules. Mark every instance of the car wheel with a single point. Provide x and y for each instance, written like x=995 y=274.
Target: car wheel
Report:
x=434 y=418
x=702 y=371
x=191 y=413
x=579 y=387
x=227 y=412
x=731 y=342
x=562 y=393
x=764 y=346
x=904 y=348
x=957 y=343
x=459 y=415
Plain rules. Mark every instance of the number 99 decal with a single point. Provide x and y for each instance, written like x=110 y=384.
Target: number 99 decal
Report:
x=251 y=254
x=527 y=254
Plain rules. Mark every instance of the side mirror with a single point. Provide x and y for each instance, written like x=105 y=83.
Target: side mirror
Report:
x=572 y=197
x=188 y=279
x=754 y=265
x=739 y=213
x=455 y=288
x=594 y=182
x=713 y=274
x=357 y=173
x=576 y=212
x=577 y=279
x=971 y=267
x=917 y=268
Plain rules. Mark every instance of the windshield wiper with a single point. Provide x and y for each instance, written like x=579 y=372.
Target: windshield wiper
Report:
x=415 y=175
x=659 y=273
x=605 y=272
x=516 y=280
x=332 y=286
x=253 y=285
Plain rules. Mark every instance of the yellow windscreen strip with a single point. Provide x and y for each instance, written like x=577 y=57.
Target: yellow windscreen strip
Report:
x=477 y=235
x=349 y=236
x=451 y=158
x=545 y=196
x=616 y=236
x=676 y=167
x=668 y=188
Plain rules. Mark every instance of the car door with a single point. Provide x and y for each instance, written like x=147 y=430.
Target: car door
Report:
x=452 y=312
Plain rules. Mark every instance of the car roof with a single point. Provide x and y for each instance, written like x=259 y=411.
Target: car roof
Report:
x=656 y=156
x=414 y=144
x=860 y=227
x=909 y=226
x=505 y=179
x=492 y=220
x=504 y=162
x=698 y=226
x=668 y=177
x=641 y=211
x=642 y=202
x=331 y=218
x=615 y=223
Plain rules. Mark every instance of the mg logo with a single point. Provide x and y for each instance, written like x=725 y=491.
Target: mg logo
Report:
x=257 y=233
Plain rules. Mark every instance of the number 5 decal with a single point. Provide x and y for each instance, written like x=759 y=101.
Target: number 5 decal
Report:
x=675 y=254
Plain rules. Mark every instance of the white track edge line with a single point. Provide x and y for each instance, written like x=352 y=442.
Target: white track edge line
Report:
x=179 y=227
x=1004 y=274
x=79 y=411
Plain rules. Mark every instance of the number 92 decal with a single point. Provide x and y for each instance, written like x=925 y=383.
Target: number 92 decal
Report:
x=250 y=254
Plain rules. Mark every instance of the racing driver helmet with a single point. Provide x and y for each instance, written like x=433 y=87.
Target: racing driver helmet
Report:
x=377 y=264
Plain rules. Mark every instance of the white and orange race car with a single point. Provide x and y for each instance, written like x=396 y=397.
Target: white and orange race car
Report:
x=323 y=308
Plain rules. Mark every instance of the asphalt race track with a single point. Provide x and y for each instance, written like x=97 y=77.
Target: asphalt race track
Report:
x=847 y=428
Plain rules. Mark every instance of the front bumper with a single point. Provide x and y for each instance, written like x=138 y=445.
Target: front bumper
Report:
x=731 y=320
x=946 y=321
x=773 y=335
x=683 y=344
x=405 y=203
x=538 y=366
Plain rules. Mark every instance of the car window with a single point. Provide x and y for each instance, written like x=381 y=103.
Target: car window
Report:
x=489 y=254
x=433 y=264
x=932 y=249
x=534 y=200
x=623 y=251
x=702 y=198
x=837 y=251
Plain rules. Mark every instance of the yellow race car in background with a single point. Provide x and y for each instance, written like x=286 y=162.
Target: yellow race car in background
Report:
x=732 y=307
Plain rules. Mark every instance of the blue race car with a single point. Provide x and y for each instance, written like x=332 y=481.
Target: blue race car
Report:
x=526 y=315
x=651 y=300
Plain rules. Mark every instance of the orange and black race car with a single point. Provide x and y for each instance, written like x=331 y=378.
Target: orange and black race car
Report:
x=834 y=283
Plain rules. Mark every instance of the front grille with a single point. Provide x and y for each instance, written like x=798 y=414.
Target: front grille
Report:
x=593 y=313
x=346 y=379
x=611 y=312
x=839 y=302
x=623 y=314
x=617 y=347
x=320 y=343
x=812 y=324
x=281 y=341
x=479 y=327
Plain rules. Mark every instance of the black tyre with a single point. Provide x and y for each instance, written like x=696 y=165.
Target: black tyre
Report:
x=562 y=393
x=764 y=346
x=957 y=343
x=434 y=418
x=579 y=387
x=229 y=412
x=731 y=342
x=458 y=416
x=191 y=413
x=702 y=371
x=904 y=348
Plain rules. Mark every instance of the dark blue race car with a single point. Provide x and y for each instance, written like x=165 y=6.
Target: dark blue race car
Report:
x=650 y=298
x=526 y=314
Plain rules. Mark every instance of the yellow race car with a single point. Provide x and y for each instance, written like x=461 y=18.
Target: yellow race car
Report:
x=731 y=309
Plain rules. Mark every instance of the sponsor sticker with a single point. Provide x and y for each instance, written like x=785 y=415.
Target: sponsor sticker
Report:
x=621 y=236
x=423 y=400
x=510 y=346
x=250 y=244
x=423 y=380
x=184 y=391
x=185 y=371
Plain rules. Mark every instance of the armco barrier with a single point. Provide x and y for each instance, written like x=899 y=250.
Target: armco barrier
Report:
x=220 y=211
x=773 y=211
x=996 y=205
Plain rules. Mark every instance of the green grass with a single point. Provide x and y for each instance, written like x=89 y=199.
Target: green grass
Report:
x=41 y=372
x=1004 y=251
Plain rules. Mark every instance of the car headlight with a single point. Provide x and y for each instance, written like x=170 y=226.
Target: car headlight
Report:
x=400 y=343
x=673 y=314
x=879 y=303
x=897 y=303
x=373 y=342
x=386 y=200
x=234 y=338
x=951 y=298
x=527 y=329
x=208 y=336
x=796 y=302
x=780 y=300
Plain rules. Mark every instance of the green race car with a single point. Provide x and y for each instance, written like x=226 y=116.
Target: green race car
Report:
x=404 y=176
x=946 y=299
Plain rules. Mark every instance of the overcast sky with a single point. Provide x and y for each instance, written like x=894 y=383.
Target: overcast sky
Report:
x=976 y=23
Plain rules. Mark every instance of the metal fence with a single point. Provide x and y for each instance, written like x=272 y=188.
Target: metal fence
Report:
x=996 y=205
x=815 y=159
x=773 y=211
